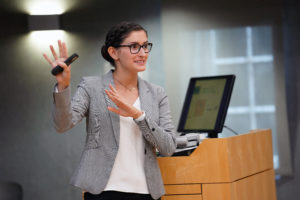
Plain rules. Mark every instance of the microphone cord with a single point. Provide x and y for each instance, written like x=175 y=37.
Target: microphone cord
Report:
x=230 y=130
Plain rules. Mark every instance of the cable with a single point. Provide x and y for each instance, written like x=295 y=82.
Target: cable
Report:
x=230 y=129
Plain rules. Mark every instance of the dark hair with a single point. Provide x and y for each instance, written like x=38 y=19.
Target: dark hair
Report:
x=116 y=36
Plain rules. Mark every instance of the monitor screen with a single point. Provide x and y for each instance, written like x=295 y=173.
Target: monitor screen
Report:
x=206 y=103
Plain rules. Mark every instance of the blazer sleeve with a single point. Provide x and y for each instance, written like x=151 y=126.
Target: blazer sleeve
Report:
x=162 y=135
x=66 y=112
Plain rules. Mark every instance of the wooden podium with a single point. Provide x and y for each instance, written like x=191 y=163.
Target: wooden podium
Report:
x=234 y=168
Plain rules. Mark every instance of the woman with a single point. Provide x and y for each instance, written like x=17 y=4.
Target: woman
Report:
x=127 y=119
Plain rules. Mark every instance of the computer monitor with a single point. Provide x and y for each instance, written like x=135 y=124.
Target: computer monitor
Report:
x=206 y=103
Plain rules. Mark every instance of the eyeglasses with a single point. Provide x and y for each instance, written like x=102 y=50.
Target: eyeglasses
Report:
x=135 y=48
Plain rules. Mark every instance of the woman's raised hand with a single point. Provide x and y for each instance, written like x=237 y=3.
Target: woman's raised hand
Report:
x=63 y=79
x=124 y=109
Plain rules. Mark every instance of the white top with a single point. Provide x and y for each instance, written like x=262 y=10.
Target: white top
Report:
x=128 y=173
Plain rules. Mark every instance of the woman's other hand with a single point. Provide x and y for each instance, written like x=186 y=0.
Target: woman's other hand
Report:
x=124 y=109
x=63 y=79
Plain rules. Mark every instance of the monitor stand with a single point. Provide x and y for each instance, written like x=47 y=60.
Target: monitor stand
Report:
x=212 y=135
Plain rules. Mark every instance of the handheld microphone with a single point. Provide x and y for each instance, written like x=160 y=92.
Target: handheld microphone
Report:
x=58 y=69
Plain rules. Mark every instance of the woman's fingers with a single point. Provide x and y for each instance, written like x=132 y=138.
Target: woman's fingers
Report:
x=63 y=53
x=60 y=49
x=123 y=108
x=63 y=79
x=113 y=91
x=119 y=103
x=112 y=88
x=63 y=65
x=53 y=52
x=111 y=96
x=65 y=50
x=48 y=59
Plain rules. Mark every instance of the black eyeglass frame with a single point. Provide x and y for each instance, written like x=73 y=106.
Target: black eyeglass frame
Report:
x=130 y=46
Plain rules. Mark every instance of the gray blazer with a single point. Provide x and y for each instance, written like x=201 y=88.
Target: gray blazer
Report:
x=103 y=131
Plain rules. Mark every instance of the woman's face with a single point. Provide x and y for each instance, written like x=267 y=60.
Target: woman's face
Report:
x=127 y=60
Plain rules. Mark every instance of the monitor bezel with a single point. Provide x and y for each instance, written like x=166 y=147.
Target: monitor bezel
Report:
x=225 y=100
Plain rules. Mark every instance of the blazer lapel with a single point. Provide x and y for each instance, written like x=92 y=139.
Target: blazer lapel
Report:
x=115 y=118
x=145 y=97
